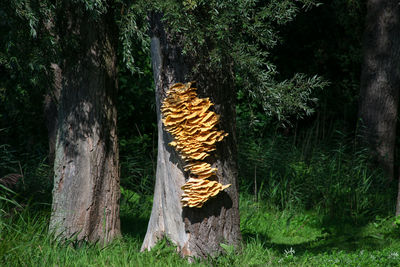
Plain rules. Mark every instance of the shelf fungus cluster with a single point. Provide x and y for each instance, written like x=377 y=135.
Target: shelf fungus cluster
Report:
x=192 y=125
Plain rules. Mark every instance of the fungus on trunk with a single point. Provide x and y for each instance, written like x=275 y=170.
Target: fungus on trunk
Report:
x=188 y=119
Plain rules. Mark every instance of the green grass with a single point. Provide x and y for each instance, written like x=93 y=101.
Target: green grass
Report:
x=270 y=237
x=310 y=239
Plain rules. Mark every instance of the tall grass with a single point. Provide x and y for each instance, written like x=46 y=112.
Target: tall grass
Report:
x=138 y=164
x=301 y=171
x=334 y=178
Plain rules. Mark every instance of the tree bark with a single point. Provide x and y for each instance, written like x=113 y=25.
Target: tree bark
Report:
x=86 y=169
x=195 y=232
x=51 y=100
x=380 y=81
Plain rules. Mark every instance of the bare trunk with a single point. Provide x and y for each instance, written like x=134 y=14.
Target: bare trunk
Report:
x=380 y=80
x=86 y=181
x=196 y=232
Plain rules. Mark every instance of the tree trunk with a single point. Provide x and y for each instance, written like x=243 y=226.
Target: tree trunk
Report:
x=197 y=232
x=380 y=81
x=51 y=100
x=86 y=169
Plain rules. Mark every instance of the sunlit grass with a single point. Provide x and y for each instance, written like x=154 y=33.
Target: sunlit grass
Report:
x=270 y=237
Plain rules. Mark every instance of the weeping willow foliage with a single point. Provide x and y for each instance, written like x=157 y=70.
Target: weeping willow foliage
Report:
x=211 y=33
x=243 y=32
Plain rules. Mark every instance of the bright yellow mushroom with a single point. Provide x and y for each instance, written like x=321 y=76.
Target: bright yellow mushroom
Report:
x=188 y=119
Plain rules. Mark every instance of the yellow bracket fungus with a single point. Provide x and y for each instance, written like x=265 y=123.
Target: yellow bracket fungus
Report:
x=188 y=119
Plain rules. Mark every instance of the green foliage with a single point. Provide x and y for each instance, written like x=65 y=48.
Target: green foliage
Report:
x=133 y=37
x=130 y=200
x=23 y=78
x=216 y=33
x=97 y=7
x=290 y=98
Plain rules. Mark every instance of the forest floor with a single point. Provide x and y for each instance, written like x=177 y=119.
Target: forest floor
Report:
x=270 y=238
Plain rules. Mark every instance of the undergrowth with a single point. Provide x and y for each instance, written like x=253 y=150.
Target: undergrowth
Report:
x=270 y=237
x=302 y=203
x=335 y=179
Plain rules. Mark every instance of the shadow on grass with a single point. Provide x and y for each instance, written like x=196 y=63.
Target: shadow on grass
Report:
x=336 y=237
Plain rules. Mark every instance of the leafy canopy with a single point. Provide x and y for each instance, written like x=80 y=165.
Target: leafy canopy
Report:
x=243 y=32
x=214 y=32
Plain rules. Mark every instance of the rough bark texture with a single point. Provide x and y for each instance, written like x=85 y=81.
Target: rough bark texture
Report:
x=380 y=80
x=51 y=100
x=196 y=232
x=86 y=180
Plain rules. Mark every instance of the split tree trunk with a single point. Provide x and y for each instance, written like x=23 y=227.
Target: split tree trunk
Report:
x=86 y=180
x=195 y=232
x=380 y=81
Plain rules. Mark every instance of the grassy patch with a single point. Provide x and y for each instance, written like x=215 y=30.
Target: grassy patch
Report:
x=311 y=239
x=270 y=237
